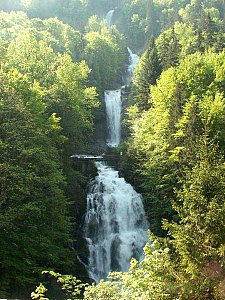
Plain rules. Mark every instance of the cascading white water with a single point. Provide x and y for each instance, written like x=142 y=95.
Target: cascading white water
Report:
x=113 y=105
x=108 y=17
x=115 y=223
x=133 y=59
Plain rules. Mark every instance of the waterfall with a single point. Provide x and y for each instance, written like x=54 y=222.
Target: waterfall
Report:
x=115 y=226
x=115 y=223
x=133 y=60
x=108 y=17
x=113 y=104
x=113 y=112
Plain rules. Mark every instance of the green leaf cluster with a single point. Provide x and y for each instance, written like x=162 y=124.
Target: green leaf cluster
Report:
x=46 y=115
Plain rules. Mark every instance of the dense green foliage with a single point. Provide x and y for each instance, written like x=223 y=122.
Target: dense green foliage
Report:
x=186 y=104
x=73 y=12
x=48 y=70
x=50 y=76
x=33 y=205
x=176 y=152
x=46 y=115
x=105 y=54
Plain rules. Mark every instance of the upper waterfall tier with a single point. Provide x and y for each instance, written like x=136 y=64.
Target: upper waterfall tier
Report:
x=115 y=224
x=108 y=17
x=113 y=104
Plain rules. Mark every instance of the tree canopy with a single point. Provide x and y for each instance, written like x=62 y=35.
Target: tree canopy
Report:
x=56 y=59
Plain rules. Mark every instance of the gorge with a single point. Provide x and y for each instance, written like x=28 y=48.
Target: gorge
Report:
x=84 y=147
x=115 y=226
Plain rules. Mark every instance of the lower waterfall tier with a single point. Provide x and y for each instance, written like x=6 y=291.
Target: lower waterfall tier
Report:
x=115 y=224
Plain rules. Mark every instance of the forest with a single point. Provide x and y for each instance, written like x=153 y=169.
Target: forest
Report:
x=56 y=60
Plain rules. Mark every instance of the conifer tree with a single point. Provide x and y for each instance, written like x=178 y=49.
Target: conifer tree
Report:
x=146 y=73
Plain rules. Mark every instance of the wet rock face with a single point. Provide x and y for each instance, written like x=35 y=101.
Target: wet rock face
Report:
x=98 y=145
